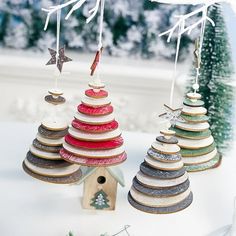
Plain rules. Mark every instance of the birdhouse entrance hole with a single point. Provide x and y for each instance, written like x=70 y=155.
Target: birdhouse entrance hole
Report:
x=101 y=180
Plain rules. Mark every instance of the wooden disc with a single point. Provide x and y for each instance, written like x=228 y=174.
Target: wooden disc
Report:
x=191 y=134
x=194 y=127
x=199 y=159
x=94 y=153
x=94 y=120
x=73 y=178
x=52 y=172
x=163 y=192
x=171 y=140
x=167 y=132
x=162 y=210
x=91 y=111
x=94 y=137
x=195 y=96
x=195 y=119
x=104 y=145
x=93 y=162
x=54 y=125
x=197 y=152
x=55 y=92
x=195 y=144
x=155 y=183
x=193 y=103
x=43 y=154
x=213 y=163
x=92 y=93
x=160 y=174
x=156 y=201
x=55 y=100
x=163 y=157
x=44 y=163
x=95 y=128
x=163 y=165
x=50 y=134
x=46 y=148
x=194 y=111
x=49 y=142
x=94 y=102
x=166 y=148
x=98 y=85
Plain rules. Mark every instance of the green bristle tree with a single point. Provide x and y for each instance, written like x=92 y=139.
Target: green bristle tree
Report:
x=216 y=77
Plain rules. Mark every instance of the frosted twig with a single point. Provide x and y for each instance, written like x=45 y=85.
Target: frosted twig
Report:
x=183 y=18
x=77 y=5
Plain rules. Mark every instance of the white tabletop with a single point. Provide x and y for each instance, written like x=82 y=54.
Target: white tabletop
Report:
x=29 y=207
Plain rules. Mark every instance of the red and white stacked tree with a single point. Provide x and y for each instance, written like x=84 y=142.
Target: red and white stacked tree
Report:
x=94 y=138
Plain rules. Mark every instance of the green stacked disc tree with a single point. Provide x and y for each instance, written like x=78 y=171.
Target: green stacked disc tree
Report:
x=198 y=147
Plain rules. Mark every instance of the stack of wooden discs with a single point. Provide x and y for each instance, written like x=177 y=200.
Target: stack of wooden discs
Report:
x=94 y=138
x=43 y=160
x=197 y=144
x=161 y=186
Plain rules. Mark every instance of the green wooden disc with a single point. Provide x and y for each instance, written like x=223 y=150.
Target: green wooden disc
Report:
x=213 y=163
x=197 y=103
x=195 y=119
x=197 y=152
x=190 y=134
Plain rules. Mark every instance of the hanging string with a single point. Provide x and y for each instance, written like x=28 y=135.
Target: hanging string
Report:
x=198 y=48
x=181 y=28
x=123 y=230
x=100 y=44
x=58 y=41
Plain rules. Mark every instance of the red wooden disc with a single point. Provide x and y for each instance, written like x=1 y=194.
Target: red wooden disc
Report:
x=92 y=111
x=93 y=94
x=115 y=143
x=94 y=128
x=92 y=161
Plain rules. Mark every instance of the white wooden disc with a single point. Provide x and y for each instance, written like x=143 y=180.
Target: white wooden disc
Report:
x=158 y=202
x=166 y=148
x=55 y=92
x=92 y=153
x=55 y=124
x=96 y=84
x=199 y=159
x=57 y=172
x=193 y=126
x=94 y=120
x=94 y=136
x=164 y=165
x=195 y=144
x=167 y=132
x=160 y=183
x=194 y=110
x=95 y=102
x=49 y=142
x=43 y=154
x=194 y=96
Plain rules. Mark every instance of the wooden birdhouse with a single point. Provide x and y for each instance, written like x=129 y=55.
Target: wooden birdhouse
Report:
x=100 y=187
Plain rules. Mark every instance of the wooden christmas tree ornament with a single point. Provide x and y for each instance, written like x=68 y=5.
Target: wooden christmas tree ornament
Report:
x=197 y=144
x=94 y=142
x=43 y=160
x=161 y=186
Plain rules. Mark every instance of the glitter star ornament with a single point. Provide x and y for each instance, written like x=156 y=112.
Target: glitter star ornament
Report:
x=172 y=115
x=58 y=60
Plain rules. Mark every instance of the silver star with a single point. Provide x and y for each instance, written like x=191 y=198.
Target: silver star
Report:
x=172 y=115
x=58 y=60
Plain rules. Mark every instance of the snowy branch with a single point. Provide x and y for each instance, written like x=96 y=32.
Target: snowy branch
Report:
x=77 y=5
x=183 y=18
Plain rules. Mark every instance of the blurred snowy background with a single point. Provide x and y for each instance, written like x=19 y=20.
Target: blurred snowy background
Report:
x=137 y=65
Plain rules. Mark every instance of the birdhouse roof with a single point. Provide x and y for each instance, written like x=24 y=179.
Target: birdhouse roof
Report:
x=115 y=172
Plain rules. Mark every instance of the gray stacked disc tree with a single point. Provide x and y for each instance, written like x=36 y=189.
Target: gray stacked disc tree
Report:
x=162 y=185
x=43 y=160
